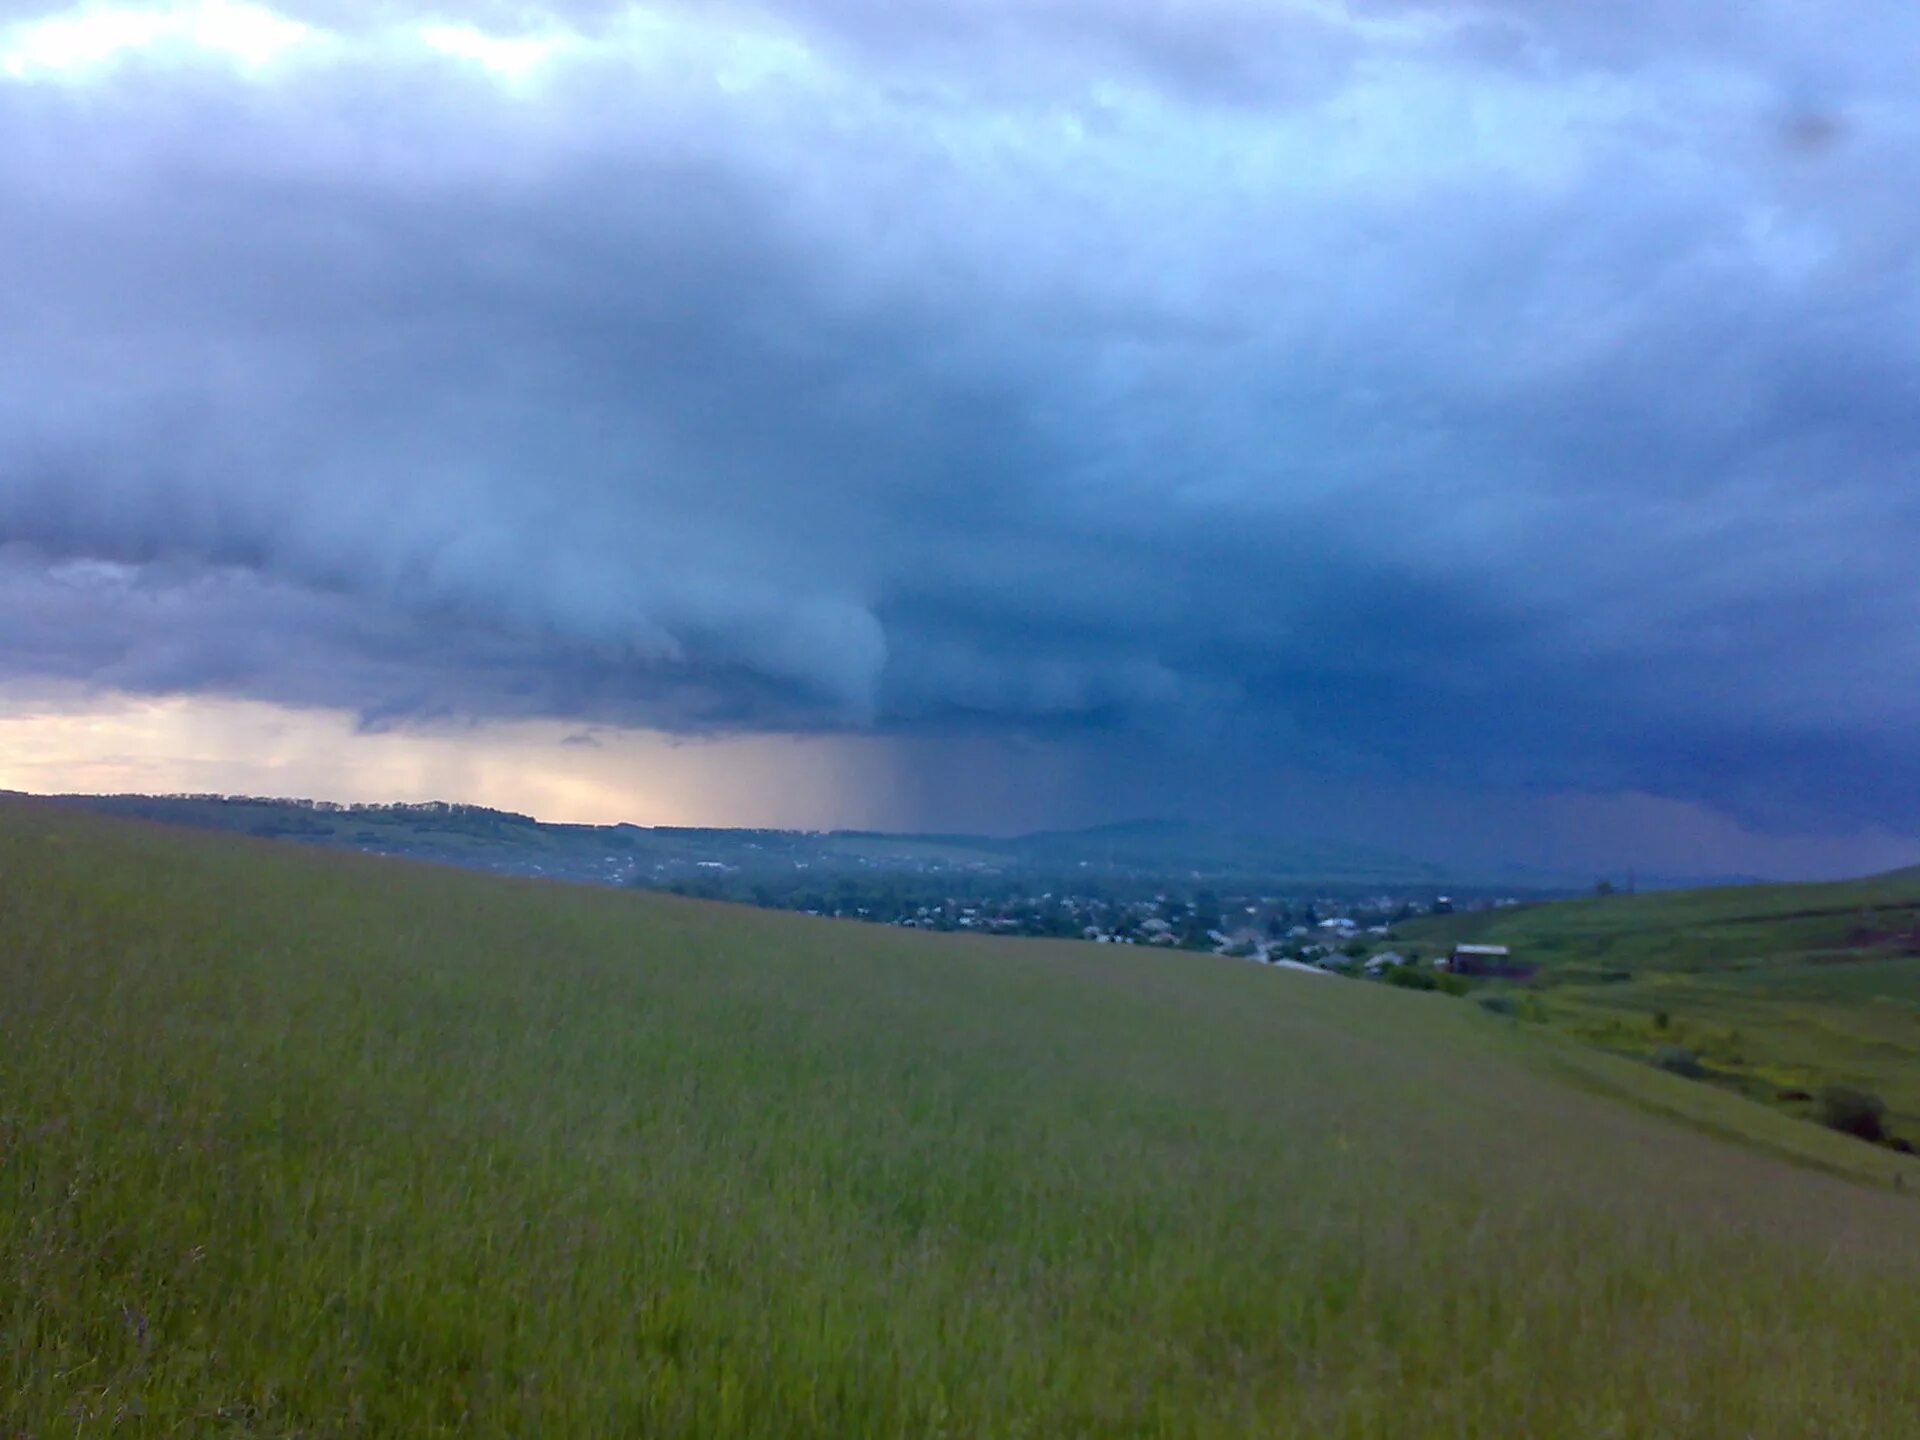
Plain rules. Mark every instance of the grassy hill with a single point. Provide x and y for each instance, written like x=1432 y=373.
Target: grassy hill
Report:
x=296 y=1142
x=1778 y=989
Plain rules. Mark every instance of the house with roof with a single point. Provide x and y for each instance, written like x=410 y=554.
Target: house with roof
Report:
x=1488 y=962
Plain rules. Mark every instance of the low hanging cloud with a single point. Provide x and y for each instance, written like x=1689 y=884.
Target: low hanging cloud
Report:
x=1489 y=395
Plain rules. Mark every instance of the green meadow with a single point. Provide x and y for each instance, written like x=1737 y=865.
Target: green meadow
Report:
x=303 y=1143
x=1779 y=990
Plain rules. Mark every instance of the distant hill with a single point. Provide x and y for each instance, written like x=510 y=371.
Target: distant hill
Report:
x=1178 y=847
x=1181 y=845
x=1778 y=990
x=1725 y=927
x=483 y=838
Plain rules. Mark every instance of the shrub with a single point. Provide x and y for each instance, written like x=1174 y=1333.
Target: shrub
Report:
x=1499 y=1004
x=1853 y=1112
x=1452 y=984
x=1677 y=1060
x=1409 y=977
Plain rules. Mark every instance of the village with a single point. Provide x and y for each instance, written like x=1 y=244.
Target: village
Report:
x=1358 y=937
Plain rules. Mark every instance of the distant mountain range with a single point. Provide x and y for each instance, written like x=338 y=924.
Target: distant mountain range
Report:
x=501 y=840
x=1179 y=846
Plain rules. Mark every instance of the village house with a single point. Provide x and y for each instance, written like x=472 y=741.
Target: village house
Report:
x=1488 y=962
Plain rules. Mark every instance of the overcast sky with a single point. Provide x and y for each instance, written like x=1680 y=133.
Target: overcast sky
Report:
x=1055 y=410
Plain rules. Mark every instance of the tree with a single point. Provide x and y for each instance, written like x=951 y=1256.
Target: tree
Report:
x=1853 y=1112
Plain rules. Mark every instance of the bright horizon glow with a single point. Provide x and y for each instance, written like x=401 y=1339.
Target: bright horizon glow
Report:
x=71 y=742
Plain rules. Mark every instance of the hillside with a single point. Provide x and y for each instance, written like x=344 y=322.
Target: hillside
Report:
x=1178 y=846
x=501 y=841
x=296 y=1142
x=1778 y=989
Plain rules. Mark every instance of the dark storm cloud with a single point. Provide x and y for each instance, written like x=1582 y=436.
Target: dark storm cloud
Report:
x=1517 y=395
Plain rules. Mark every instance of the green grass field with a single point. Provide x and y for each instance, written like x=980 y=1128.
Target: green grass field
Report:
x=1780 y=989
x=1715 y=928
x=298 y=1143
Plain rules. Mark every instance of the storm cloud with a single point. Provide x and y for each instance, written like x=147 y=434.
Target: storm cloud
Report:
x=1487 y=395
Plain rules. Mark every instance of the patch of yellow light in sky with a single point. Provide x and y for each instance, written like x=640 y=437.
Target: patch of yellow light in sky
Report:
x=73 y=742
x=84 y=40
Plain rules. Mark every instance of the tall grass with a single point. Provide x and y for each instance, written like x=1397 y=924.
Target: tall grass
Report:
x=302 y=1144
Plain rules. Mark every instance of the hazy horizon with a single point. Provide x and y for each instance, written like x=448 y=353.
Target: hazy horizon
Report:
x=558 y=773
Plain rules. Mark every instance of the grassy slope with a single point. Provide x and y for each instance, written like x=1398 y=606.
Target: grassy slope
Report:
x=1776 y=986
x=305 y=1143
x=1690 y=929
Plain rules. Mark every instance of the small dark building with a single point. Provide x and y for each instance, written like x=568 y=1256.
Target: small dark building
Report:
x=1487 y=962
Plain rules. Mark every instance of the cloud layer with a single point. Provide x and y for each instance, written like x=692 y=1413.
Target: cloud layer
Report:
x=1491 y=395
